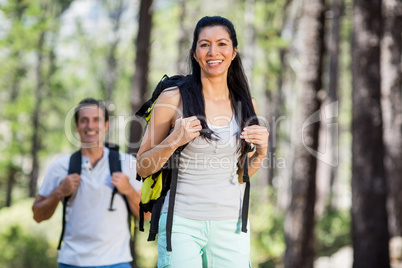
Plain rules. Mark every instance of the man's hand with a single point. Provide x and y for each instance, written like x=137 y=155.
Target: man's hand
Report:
x=70 y=184
x=44 y=207
x=121 y=182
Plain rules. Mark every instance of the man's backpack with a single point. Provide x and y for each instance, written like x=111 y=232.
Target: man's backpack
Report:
x=156 y=186
x=75 y=167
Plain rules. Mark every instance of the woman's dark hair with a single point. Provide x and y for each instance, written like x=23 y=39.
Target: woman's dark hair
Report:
x=90 y=102
x=236 y=79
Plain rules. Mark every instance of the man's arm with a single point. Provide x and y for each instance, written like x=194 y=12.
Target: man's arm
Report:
x=120 y=180
x=44 y=207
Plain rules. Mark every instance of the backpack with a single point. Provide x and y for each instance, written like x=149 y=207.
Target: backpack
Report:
x=155 y=187
x=75 y=167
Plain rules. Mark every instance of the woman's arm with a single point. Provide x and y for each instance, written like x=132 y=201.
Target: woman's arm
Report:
x=158 y=144
x=257 y=135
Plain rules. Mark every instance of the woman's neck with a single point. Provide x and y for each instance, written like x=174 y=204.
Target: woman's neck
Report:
x=215 y=88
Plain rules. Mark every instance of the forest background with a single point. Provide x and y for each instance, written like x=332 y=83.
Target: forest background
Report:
x=327 y=79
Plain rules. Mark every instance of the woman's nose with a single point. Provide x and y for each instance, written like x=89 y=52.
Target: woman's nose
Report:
x=212 y=49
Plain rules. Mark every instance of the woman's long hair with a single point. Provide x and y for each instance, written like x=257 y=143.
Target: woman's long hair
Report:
x=237 y=82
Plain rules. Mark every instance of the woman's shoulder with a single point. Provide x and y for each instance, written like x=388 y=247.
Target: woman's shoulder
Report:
x=170 y=96
x=169 y=104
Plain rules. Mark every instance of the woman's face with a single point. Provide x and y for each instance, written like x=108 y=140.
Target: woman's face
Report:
x=214 y=51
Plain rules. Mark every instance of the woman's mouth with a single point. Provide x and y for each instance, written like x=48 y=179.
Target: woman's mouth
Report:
x=214 y=62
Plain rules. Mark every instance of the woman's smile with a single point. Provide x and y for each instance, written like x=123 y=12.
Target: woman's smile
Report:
x=214 y=52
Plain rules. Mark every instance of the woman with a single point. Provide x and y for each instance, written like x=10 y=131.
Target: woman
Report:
x=206 y=223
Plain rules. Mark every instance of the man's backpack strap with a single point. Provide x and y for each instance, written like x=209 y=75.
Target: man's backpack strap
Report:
x=75 y=163
x=115 y=166
x=172 y=197
x=74 y=167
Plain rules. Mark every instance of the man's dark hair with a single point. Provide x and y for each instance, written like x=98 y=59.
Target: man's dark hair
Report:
x=90 y=102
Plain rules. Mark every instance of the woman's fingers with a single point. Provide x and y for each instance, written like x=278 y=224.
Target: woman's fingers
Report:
x=187 y=129
x=191 y=125
x=255 y=134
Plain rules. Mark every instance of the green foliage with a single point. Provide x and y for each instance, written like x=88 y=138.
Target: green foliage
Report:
x=20 y=249
x=266 y=224
x=332 y=231
x=25 y=243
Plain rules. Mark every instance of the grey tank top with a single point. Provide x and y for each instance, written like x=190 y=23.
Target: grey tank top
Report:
x=207 y=186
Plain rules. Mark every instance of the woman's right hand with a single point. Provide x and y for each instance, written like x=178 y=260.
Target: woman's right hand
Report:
x=185 y=130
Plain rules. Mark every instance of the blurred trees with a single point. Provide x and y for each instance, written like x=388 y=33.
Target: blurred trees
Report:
x=391 y=103
x=108 y=81
x=140 y=85
x=29 y=51
x=300 y=218
x=15 y=72
x=54 y=53
x=369 y=216
x=140 y=78
x=46 y=27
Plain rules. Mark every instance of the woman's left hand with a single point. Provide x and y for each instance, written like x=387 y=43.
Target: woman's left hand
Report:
x=258 y=135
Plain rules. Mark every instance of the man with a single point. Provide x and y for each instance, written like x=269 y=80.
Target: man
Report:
x=94 y=235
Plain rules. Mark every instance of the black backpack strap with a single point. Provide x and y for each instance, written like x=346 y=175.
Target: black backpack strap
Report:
x=246 y=197
x=143 y=111
x=144 y=108
x=114 y=161
x=155 y=215
x=172 y=197
x=141 y=223
x=115 y=166
x=74 y=167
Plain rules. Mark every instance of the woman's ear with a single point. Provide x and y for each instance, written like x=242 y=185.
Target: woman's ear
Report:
x=195 y=57
x=234 y=53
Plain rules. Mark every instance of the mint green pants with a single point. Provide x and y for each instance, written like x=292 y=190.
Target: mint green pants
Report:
x=201 y=244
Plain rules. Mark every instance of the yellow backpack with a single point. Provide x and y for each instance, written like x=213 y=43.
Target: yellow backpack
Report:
x=156 y=186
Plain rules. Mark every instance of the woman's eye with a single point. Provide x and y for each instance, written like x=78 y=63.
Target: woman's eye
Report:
x=222 y=44
x=204 y=45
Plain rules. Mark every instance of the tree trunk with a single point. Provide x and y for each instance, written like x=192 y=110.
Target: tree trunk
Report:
x=369 y=217
x=299 y=223
x=184 y=42
x=333 y=137
x=11 y=173
x=391 y=76
x=272 y=112
x=288 y=33
x=140 y=80
x=327 y=169
x=250 y=40
x=42 y=81
x=133 y=245
x=140 y=84
x=36 y=141
x=115 y=11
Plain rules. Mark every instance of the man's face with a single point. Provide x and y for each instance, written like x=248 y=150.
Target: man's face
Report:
x=91 y=126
